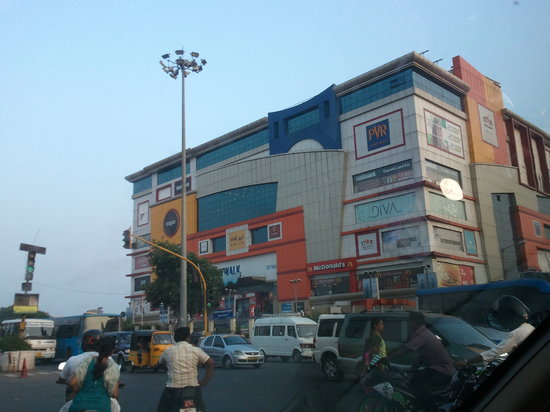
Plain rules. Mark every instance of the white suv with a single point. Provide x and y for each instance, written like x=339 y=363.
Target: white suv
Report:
x=325 y=352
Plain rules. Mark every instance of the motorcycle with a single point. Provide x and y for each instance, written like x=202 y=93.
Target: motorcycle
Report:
x=394 y=395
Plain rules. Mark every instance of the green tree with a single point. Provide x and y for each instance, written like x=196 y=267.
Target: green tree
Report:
x=166 y=287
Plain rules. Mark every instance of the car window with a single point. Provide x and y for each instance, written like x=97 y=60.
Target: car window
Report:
x=326 y=327
x=218 y=342
x=291 y=331
x=208 y=341
x=306 y=331
x=278 y=331
x=458 y=331
x=235 y=340
x=356 y=327
x=339 y=324
x=393 y=330
x=263 y=331
x=163 y=339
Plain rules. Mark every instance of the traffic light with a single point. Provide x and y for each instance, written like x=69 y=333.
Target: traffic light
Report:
x=127 y=238
x=29 y=272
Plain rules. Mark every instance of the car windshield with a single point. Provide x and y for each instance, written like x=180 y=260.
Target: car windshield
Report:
x=37 y=331
x=458 y=331
x=306 y=331
x=235 y=340
x=163 y=339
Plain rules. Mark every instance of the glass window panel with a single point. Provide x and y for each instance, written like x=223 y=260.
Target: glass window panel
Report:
x=143 y=184
x=236 y=205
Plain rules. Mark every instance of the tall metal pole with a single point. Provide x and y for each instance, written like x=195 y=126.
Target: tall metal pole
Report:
x=183 y=276
x=184 y=66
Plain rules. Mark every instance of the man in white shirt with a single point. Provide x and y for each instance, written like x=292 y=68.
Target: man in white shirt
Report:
x=510 y=312
x=182 y=361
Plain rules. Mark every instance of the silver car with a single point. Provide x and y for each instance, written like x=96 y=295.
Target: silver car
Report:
x=230 y=350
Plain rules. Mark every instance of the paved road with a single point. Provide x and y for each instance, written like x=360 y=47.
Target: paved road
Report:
x=276 y=386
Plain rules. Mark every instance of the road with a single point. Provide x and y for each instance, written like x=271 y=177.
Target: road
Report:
x=276 y=386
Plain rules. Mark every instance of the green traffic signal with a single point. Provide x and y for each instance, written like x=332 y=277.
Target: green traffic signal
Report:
x=31 y=257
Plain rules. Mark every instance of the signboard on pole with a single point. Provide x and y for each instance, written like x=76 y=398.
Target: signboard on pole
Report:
x=25 y=303
x=223 y=314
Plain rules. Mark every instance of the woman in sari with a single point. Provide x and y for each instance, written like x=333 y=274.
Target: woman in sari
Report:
x=96 y=380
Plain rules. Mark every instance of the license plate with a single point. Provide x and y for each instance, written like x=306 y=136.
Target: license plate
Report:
x=253 y=358
x=38 y=354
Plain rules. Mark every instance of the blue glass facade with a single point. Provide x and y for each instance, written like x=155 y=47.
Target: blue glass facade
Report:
x=233 y=149
x=218 y=244
x=259 y=235
x=172 y=173
x=304 y=120
x=394 y=84
x=236 y=205
x=143 y=184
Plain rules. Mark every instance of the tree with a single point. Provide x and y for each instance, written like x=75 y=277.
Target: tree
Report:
x=166 y=287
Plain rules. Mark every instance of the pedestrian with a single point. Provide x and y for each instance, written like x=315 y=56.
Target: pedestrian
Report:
x=95 y=380
x=182 y=361
x=376 y=329
x=510 y=313
x=438 y=364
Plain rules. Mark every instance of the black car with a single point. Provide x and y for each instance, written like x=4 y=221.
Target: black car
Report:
x=122 y=346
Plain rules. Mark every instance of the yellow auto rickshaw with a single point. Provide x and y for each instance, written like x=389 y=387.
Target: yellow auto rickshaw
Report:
x=146 y=346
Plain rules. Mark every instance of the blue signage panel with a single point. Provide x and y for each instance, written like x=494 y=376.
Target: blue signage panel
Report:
x=378 y=135
x=286 y=307
x=223 y=314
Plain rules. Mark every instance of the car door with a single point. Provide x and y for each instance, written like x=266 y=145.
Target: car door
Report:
x=218 y=349
x=207 y=346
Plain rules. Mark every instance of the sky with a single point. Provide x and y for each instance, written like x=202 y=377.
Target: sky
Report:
x=84 y=103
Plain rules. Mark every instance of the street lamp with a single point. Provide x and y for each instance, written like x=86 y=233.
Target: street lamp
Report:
x=173 y=68
x=295 y=283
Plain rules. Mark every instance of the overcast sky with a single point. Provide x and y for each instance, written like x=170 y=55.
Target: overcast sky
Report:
x=84 y=102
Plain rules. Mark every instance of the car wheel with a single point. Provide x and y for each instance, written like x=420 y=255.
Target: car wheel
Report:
x=257 y=365
x=227 y=364
x=330 y=369
x=296 y=356
x=264 y=355
x=120 y=359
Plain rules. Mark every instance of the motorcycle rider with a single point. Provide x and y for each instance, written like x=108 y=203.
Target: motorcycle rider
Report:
x=438 y=364
x=182 y=361
x=509 y=313
x=90 y=346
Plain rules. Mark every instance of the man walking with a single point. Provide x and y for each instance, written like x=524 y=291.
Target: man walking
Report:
x=182 y=361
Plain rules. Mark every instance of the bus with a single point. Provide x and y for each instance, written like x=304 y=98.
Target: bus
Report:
x=473 y=303
x=69 y=330
x=39 y=333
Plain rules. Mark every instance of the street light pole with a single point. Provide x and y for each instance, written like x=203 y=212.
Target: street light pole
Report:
x=173 y=68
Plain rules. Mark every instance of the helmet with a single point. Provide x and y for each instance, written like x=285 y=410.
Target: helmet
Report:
x=509 y=312
x=90 y=340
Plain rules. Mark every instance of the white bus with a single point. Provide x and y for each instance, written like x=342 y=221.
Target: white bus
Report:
x=37 y=332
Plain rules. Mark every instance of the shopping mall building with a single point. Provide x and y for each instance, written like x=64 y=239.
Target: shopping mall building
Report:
x=305 y=206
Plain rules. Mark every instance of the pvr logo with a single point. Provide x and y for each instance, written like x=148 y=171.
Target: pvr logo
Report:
x=378 y=135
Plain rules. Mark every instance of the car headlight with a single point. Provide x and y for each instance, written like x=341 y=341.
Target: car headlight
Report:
x=126 y=350
x=238 y=352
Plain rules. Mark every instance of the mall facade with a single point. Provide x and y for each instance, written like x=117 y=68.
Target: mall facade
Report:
x=308 y=207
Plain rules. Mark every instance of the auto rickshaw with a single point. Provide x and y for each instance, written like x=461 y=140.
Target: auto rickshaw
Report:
x=146 y=346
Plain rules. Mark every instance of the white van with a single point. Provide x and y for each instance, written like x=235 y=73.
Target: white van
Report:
x=287 y=336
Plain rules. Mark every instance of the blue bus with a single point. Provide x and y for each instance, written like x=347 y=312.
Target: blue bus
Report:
x=473 y=303
x=69 y=330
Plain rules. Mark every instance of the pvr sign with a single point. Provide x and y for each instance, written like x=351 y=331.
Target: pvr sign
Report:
x=378 y=135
